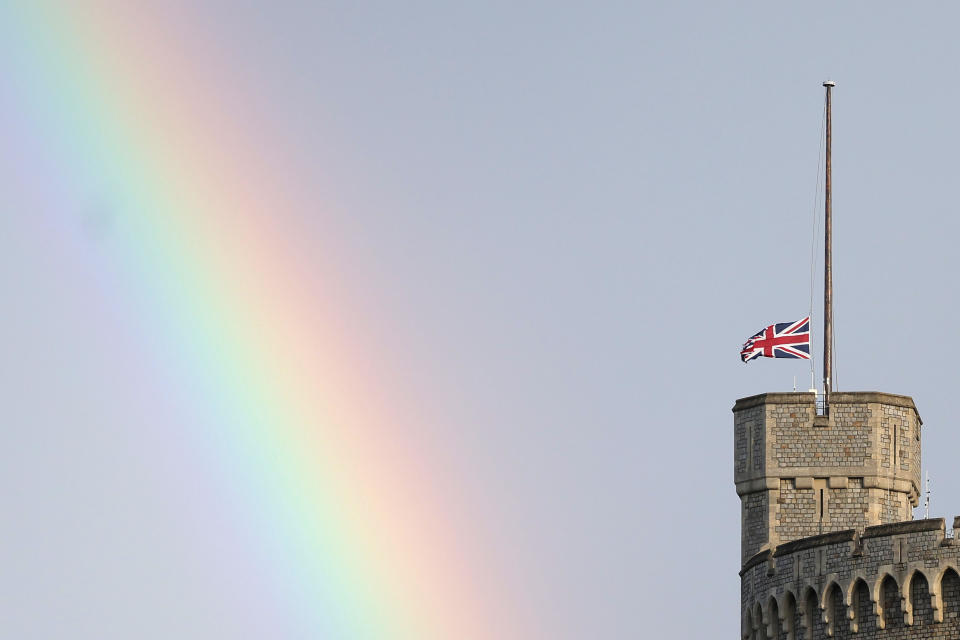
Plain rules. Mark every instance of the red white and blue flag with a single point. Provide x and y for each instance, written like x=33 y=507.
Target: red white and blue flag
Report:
x=781 y=340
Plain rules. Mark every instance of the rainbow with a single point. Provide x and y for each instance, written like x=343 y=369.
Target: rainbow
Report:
x=353 y=535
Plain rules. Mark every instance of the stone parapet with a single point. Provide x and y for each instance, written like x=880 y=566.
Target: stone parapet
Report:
x=893 y=582
x=866 y=434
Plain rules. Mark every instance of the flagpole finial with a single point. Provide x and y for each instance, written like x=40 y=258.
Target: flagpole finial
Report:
x=829 y=83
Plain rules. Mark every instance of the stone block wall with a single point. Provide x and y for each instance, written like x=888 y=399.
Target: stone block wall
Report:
x=848 y=507
x=796 y=509
x=842 y=440
x=856 y=467
x=754 y=511
x=889 y=582
x=749 y=430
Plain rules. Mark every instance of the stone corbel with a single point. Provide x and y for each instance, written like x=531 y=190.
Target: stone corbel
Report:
x=936 y=602
x=936 y=595
x=905 y=604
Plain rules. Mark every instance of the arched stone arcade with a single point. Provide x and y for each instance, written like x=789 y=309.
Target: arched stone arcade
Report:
x=859 y=607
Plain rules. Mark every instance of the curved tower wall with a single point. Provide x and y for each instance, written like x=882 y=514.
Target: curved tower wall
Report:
x=890 y=582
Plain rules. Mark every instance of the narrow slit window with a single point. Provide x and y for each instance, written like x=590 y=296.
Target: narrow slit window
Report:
x=896 y=429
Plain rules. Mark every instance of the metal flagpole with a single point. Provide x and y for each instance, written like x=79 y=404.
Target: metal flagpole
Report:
x=827 y=261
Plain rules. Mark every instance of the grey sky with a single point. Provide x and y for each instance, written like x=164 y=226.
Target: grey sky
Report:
x=569 y=217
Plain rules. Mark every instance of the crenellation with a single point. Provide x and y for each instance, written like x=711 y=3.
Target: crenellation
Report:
x=918 y=598
x=829 y=547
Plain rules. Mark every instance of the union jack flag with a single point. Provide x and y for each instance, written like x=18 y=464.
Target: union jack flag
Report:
x=781 y=340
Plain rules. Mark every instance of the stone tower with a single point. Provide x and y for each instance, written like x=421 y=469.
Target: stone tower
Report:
x=800 y=474
x=829 y=547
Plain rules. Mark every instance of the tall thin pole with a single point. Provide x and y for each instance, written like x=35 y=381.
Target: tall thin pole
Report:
x=828 y=258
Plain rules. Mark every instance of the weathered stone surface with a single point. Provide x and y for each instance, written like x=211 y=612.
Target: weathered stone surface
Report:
x=800 y=474
x=895 y=582
x=829 y=548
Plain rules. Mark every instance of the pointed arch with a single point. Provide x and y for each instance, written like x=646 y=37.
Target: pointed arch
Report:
x=811 y=610
x=746 y=628
x=917 y=600
x=758 y=626
x=832 y=606
x=936 y=590
x=772 y=618
x=949 y=590
x=787 y=608
x=876 y=595
x=859 y=603
x=886 y=598
x=905 y=603
x=907 y=597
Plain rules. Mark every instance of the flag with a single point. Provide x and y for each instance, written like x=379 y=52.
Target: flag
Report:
x=781 y=340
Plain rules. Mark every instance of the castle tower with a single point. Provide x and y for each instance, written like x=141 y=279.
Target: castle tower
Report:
x=829 y=548
x=801 y=474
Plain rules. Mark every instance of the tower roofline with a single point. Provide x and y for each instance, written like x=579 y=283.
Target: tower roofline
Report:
x=837 y=397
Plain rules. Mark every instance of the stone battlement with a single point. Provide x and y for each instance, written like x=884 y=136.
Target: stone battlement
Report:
x=892 y=581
